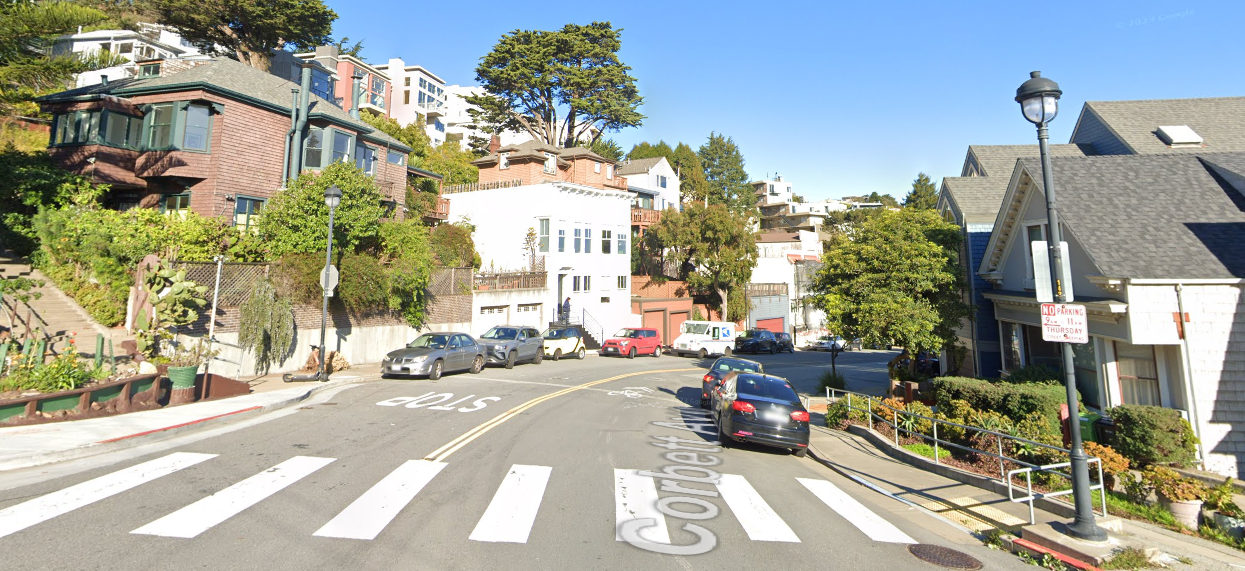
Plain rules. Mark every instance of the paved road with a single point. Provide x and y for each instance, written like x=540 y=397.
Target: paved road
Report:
x=533 y=468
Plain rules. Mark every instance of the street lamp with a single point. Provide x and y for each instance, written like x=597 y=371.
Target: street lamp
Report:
x=1039 y=102
x=332 y=197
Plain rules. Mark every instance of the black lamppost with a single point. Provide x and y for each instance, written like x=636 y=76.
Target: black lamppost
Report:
x=332 y=197
x=1039 y=101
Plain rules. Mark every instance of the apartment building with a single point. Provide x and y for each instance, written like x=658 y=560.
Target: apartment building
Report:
x=143 y=49
x=418 y=92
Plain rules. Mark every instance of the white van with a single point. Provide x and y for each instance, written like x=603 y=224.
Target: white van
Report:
x=704 y=338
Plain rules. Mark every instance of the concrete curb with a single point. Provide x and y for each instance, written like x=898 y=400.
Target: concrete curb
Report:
x=42 y=458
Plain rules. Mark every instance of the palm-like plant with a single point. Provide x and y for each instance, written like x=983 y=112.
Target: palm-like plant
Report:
x=28 y=68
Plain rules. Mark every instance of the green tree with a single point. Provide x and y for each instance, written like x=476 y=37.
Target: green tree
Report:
x=692 y=184
x=923 y=195
x=716 y=247
x=887 y=200
x=27 y=67
x=607 y=148
x=451 y=161
x=406 y=251
x=895 y=280
x=345 y=48
x=412 y=135
x=248 y=30
x=453 y=246
x=561 y=86
x=727 y=181
x=296 y=220
x=646 y=150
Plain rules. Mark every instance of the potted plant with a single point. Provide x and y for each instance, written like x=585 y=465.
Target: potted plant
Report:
x=1228 y=515
x=1179 y=495
x=184 y=367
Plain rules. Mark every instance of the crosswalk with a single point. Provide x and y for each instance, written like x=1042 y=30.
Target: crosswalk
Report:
x=510 y=517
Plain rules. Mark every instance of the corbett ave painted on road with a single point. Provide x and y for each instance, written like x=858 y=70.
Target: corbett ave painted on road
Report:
x=1064 y=323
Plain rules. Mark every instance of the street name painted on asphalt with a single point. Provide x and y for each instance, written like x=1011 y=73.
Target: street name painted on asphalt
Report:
x=1064 y=323
x=433 y=402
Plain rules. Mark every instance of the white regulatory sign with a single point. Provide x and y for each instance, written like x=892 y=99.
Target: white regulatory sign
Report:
x=1064 y=323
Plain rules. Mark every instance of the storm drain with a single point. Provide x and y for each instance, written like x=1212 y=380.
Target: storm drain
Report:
x=943 y=556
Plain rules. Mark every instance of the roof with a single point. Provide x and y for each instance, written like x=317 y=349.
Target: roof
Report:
x=639 y=166
x=1156 y=217
x=774 y=237
x=978 y=197
x=229 y=78
x=1219 y=120
x=535 y=150
x=1000 y=160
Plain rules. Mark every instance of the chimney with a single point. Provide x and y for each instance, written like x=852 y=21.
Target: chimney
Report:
x=356 y=92
x=494 y=144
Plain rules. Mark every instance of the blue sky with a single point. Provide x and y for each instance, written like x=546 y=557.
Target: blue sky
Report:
x=847 y=98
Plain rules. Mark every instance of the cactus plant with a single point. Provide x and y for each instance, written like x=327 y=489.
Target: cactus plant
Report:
x=176 y=302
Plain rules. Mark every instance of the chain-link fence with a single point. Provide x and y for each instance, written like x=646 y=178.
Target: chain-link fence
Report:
x=237 y=279
x=451 y=281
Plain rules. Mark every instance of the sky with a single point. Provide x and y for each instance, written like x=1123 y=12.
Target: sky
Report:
x=845 y=99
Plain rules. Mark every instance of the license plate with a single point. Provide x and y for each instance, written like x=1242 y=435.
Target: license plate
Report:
x=609 y=349
x=395 y=367
x=774 y=416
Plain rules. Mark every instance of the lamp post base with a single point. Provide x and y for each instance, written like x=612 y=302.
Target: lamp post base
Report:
x=1086 y=531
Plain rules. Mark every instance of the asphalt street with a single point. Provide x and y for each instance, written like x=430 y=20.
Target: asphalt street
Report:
x=530 y=468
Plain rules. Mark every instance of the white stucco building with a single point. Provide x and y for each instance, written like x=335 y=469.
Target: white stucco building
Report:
x=792 y=258
x=773 y=191
x=151 y=42
x=654 y=183
x=417 y=91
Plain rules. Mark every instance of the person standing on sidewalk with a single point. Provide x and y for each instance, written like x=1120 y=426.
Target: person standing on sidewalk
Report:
x=566 y=310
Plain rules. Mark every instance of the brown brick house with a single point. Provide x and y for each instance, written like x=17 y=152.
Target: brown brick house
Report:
x=214 y=139
x=534 y=162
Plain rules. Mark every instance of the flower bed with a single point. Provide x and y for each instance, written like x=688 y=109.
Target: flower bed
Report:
x=141 y=392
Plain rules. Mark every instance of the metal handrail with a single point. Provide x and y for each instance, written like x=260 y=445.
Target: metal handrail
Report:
x=1005 y=475
x=594 y=327
x=1028 y=472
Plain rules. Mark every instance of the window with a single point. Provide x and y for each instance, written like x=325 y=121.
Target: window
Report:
x=1012 y=342
x=503 y=161
x=77 y=127
x=561 y=240
x=246 y=213
x=175 y=204
x=365 y=158
x=160 y=135
x=622 y=243
x=149 y=70
x=609 y=172
x=1139 y=375
x=587 y=240
x=551 y=163
x=322 y=85
x=543 y=234
x=622 y=282
x=313 y=152
x=406 y=95
x=587 y=283
x=575 y=283
x=605 y=241
x=529 y=308
x=423 y=83
x=125 y=48
x=494 y=309
x=196 y=135
x=596 y=167
x=341 y=146
x=406 y=82
x=396 y=158
x=605 y=300
x=378 y=85
x=661 y=181
x=578 y=233
x=1036 y=233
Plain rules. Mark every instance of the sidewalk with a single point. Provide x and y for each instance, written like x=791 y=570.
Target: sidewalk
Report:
x=34 y=445
x=978 y=510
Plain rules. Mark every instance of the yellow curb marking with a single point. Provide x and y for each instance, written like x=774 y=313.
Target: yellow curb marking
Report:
x=440 y=454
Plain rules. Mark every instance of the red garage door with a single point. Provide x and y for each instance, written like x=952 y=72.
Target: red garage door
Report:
x=676 y=325
x=655 y=320
x=775 y=325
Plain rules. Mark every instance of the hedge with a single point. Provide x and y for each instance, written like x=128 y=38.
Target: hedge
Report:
x=1153 y=435
x=1014 y=401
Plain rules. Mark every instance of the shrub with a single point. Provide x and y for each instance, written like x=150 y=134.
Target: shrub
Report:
x=295 y=221
x=832 y=380
x=1219 y=498
x=453 y=246
x=1153 y=435
x=915 y=424
x=364 y=285
x=1040 y=374
x=405 y=249
x=1136 y=489
x=837 y=414
x=266 y=326
x=1113 y=464
x=1171 y=485
x=1013 y=401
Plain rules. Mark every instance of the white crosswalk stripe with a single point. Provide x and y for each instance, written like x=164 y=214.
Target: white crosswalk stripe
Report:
x=368 y=515
x=635 y=498
x=757 y=518
x=870 y=523
x=511 y=514
x=24 y=515
x=202 y=515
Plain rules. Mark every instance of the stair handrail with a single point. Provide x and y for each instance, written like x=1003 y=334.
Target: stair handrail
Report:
x=593 y=326
x=10 y=306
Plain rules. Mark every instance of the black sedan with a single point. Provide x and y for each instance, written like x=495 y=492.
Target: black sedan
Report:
x=719 y=369
x=785 y=343
x=755 y=407
x=756 y=341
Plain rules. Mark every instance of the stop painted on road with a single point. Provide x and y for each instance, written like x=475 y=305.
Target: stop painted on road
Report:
x=434 y=402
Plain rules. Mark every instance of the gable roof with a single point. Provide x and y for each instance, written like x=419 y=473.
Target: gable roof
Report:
x=535 y=150
x=998 y=161
x=229 y=78
x=978 y=197
x=1219 y=120
x=1139 y=217
x=639 y=166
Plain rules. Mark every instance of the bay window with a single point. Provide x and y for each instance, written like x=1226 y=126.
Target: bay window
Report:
x=160 y=129
x=313 y=149
x=196 y=133
x=341 y=146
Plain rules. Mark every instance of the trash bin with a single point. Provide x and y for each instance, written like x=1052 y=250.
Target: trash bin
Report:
x=1088 y=420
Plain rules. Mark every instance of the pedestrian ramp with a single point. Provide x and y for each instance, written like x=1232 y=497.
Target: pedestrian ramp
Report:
x=510 y=516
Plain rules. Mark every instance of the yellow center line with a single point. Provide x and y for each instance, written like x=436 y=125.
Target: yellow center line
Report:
x=440 y=454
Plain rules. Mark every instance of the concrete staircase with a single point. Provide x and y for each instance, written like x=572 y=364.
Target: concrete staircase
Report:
x=56 y=313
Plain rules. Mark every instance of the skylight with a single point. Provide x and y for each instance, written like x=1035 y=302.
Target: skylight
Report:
x=1179 y=136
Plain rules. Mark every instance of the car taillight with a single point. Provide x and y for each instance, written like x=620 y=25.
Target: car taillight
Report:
x=800 y=416
x=742 y=406
x=707 y=378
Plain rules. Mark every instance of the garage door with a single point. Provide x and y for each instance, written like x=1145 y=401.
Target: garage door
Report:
x=676 y=325
x=776 y=325
x=655 y=319
x=488 y=317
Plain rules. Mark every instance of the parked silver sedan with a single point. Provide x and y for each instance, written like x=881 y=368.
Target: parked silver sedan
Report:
x=434 y=353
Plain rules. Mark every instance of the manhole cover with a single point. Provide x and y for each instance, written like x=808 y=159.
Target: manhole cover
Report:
x=943 y=556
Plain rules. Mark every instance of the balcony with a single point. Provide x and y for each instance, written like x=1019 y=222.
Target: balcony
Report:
x=432 y=109
x=440 y=210
x=645 y=217
x=510 y=280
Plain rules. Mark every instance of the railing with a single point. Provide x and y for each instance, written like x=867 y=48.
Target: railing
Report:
x=33 y=321
x=905 y=421
x=593 y=327
x=440 y=210
x=511 y=280
x=474 y=186
x=645 y=216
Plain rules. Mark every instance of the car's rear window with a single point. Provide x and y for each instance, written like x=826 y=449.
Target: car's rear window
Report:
x=727 y=365
x=767 y=388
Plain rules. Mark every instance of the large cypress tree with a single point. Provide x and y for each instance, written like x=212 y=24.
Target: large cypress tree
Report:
x=727 y=181
x=27 y=67
x=923 y=195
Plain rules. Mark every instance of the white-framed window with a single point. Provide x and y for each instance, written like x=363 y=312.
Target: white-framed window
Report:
x=609 y=172
x=503 y=160
x=622 y=242
x=494 y=309
x=587 y=240
x=622 y=282
x=1035 y=232
x=542 y=234
x=561 y=240
x=575 y=283
x=661 y=181
x=587 y=283
x=551 y=163
x=578 y=237
x=596 y=167
x=605 y=241
x=529 y=308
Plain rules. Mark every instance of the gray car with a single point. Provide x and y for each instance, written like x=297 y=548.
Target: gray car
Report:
x=509 y=344
x=434 y=353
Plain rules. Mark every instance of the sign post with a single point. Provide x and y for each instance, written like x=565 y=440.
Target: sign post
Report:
x=1064 y=323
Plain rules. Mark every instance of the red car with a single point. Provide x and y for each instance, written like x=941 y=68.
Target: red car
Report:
x=632 y=342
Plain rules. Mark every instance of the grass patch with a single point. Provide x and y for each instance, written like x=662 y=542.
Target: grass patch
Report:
x=1128 y=558
x=921 y=448
x=1118 y=504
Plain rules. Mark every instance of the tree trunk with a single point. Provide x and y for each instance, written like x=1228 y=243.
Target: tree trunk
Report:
x=570 y=129
x=725 y=303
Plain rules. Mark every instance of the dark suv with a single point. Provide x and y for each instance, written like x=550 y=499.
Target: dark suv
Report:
x=756 y=341
x=784 y=342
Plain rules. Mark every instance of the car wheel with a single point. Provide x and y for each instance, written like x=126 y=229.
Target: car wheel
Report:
x=631 y=353
x=800 y=452
x=477 y=365
x=435 y=373
x=510 y=359
x=657 y=351
x=540 y=356
x=557 y=354
x=728 y=352
x=704 y=403
x=772 y=350
x=581 y=354
x=724 y=438
x=704 y=354
x=791 y=350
